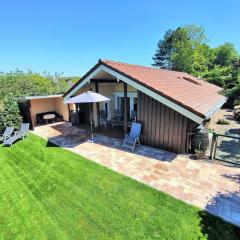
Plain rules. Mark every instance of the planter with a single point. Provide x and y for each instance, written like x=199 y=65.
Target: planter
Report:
x=200 y=140
x=199 y=154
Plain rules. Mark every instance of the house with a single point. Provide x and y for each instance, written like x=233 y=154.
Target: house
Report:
x=169 y=104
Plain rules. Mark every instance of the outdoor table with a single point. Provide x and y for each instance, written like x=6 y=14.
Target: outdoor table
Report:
x=49 y=117
x=117 y=122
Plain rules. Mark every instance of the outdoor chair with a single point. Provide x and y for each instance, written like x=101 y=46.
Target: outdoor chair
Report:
x=117 y=120
x=133 y=116
x=103 y=119
x=133 y=138
x=18 y=135
x=7 y=134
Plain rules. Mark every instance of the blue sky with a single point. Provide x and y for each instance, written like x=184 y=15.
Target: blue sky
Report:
x=70 y=36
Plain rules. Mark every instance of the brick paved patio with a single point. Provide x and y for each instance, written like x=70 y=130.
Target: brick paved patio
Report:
x=208 y=185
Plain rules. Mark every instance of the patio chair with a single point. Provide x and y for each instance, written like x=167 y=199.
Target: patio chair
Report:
x=118 y=113
x=133 y=116
x=117 y=120
x=7 y=134
x=18 y=135
x=103 y=119
x=133 y=138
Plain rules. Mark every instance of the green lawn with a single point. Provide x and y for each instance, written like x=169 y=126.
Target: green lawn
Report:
x=49 y=193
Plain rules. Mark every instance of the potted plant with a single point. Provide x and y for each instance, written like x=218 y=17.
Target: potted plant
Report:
x=199 y=152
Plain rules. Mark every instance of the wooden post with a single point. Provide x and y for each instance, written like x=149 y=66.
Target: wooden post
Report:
x=215 y=145
x=125 y=108
x=77 y=113
x=29 y=115
x=98 y=108
x=69 y=112
x=212 y=145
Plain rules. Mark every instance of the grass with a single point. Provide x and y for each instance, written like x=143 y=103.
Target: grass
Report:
x=49 y=193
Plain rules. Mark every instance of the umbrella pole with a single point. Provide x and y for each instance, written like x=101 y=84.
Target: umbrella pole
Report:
x=91 y=121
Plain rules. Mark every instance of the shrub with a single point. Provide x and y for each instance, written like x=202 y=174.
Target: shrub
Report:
x=9 y=113
x=237 y=102
x=233 y=95
x=237 y=114
x=223 y=122
x=236 y=107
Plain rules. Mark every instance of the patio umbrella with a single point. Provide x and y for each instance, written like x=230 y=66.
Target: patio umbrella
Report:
x=88 y=97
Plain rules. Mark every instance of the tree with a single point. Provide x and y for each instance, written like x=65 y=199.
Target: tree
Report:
x=18 y=84
x=9 y=112
x=183 y=49
x=202 y=60
x=162 y=57
x=218 y=75
x=225 y=54
x=236 y=69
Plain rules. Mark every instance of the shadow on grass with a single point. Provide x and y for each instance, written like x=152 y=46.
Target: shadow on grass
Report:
x=226 y=206
x=6 y=146
x=50 y=144
x=211 y=226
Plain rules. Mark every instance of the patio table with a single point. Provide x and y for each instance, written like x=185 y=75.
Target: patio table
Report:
x=117 y=122
x=49 y=117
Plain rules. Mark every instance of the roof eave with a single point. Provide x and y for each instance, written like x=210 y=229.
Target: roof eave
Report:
x=215 y=108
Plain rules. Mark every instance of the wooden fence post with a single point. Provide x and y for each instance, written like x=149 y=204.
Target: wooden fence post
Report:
x=215 y=146
x=212 y=145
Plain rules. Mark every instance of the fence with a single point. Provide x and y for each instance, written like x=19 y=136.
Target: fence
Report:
x=225 y=148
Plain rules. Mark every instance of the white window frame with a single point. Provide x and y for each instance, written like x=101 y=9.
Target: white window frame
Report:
x=121 y=94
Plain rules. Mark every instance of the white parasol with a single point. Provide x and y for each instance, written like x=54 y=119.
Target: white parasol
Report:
x=88 y=97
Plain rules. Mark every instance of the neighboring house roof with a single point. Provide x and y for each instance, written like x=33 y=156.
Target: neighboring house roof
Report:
x=42 y=97
x=191 y=93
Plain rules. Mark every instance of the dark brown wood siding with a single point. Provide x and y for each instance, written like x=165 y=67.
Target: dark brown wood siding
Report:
x=162 y=126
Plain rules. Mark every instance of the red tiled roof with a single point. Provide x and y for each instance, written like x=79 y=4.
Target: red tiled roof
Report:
x=196 y=95
x=190 y=92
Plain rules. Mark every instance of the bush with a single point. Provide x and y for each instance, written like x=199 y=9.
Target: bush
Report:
x=233 y=95
x=237 y=114
x=236 y=107
x=9 y=113
x=237 y=102
x=223 y=122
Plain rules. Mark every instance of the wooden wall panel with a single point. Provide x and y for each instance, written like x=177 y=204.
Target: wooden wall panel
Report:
x=162 y=127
